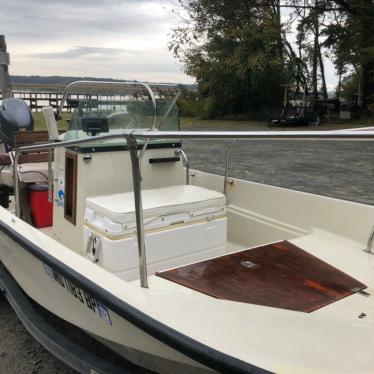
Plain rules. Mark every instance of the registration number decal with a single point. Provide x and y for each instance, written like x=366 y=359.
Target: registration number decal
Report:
x=95 y=305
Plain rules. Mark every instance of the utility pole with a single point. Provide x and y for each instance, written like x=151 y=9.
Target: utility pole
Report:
x=5 y=87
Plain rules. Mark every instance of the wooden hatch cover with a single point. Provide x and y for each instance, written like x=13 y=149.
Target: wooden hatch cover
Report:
x=279 y=275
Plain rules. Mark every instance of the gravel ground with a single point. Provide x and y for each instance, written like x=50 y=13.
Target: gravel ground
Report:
x=19 y=352
x=339 y=169
x=343 y=170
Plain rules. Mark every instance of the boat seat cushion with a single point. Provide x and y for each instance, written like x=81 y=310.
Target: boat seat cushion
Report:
x=120 y=207
x=33 y=172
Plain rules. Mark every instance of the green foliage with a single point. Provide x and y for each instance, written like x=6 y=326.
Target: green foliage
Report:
x=239 y=53
x=40 y=124
x=189 y=104
x=235 y=52
x=350 y=87
x=350 y=37
x=209 y=108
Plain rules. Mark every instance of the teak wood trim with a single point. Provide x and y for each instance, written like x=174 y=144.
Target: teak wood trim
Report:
x=24 y=138
x=278 y=275
x=70 y=197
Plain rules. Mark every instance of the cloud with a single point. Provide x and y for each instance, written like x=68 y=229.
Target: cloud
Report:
x=105 y=38
x=77 y=52
x=112 y=38
x=57 y=20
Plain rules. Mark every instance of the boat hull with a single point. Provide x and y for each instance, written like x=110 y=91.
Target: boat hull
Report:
x=66 y=298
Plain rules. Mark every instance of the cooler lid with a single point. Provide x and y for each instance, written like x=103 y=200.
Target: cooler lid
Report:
x=120 y=207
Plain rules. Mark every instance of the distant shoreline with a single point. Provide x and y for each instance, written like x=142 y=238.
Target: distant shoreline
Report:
x=32 y=82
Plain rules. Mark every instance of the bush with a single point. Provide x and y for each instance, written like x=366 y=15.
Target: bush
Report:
x=208 y=108
x=188 y=106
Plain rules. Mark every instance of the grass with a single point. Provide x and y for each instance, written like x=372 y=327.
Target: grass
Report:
x=211 y=124
x=218 y=123
x=332 y=124
x=40 y=124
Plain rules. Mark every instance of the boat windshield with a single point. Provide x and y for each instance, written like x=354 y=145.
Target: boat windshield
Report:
x=105 y=112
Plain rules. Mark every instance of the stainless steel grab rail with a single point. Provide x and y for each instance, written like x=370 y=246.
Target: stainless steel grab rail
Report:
x=180 y=152
x=228 y=157
x=369 y=244
x=257 y=135
x=132 y=135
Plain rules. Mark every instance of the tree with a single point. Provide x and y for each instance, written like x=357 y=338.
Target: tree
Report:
x=239 y=53
x=235 y=50
x=349 y=86
x=310 y=18
x=351 y=37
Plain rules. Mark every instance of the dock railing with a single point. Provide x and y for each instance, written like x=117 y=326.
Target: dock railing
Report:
x=132 y=137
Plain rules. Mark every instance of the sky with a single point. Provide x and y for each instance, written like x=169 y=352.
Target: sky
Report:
x=121 y=39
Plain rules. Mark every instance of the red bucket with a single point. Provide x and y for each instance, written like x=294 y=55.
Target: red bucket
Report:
x=41 y=208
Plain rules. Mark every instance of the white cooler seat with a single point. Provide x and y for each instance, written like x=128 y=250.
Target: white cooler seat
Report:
x=182 y=224
x=120 y=207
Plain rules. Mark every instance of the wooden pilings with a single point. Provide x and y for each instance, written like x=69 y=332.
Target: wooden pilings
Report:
x=37 y=100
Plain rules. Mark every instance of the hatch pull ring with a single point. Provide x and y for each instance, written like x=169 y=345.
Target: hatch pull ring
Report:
x=93 y=248
x=369 y=246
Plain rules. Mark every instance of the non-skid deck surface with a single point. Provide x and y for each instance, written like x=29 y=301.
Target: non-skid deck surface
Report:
x=279 y=275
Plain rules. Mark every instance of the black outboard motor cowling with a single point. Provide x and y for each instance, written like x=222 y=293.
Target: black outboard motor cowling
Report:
x=15 y=115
